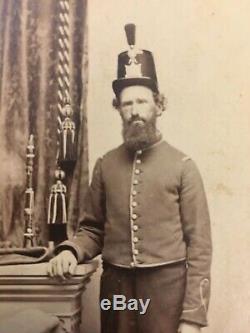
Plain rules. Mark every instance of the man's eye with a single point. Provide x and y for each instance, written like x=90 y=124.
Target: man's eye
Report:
x=126 y=104
x=141 y=101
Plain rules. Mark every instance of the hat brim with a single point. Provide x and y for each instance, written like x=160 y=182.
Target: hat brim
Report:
x=119 y=84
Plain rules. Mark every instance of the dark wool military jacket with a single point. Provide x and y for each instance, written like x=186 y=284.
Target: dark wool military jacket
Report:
x=149 y=209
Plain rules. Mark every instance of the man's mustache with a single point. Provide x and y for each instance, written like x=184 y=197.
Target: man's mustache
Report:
x=135 y=118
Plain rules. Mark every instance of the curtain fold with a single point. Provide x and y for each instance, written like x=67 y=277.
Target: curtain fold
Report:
x=28 y=105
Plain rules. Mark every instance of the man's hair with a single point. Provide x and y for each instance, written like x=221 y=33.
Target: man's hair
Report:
x=160 y=101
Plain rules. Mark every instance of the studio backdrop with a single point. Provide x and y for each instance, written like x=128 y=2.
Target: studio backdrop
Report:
x=29 y=58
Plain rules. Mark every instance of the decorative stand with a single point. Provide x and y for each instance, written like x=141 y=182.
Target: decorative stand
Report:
x=28 y=286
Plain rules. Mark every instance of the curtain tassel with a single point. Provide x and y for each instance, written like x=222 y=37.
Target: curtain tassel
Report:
x=57 y=209
x=67 y=135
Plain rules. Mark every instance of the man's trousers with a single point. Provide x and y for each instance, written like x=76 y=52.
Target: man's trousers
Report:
x=163 y=285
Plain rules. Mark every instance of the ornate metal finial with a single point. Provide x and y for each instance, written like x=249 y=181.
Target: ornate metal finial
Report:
x=29 y=195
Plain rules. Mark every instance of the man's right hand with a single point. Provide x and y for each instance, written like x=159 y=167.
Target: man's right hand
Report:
x=63 y=265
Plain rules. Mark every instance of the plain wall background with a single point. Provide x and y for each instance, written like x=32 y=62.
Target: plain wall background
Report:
x=202 y=55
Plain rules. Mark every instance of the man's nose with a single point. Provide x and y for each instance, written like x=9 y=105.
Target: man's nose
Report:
x=134 y=110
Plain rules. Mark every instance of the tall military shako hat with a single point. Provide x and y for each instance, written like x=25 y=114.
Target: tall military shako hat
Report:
x=135 y=66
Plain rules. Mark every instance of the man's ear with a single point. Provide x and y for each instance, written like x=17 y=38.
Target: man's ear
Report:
x=158 y=110
x=116 y=104
x=161 y=103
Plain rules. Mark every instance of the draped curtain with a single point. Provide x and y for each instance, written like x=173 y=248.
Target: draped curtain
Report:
x=28 y=105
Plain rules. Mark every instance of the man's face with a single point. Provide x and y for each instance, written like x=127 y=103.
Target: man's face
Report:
x=138 y=111
x=137 y=105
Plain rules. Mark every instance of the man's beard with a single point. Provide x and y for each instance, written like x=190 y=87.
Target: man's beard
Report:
x=139 y=134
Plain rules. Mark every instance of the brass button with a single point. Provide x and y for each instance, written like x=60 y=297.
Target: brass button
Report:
x=136 y=252
x=138 y=161
x=134 y=216
x=134 y=204
x=139 y=152
x=137 y=171
x=135 y=227
x=135 y=239
x=132 y=264
x=134 y=192
x=135 y=182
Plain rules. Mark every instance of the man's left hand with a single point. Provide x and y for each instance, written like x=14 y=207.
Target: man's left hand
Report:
x=189 y=328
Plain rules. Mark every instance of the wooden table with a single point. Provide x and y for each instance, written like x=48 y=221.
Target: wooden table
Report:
x=28 y=286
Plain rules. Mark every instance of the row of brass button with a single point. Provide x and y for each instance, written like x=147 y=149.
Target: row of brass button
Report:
x=134 y=216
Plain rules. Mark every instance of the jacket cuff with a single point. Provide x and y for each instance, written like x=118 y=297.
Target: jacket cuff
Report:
x=68 y=245
x=196 y=316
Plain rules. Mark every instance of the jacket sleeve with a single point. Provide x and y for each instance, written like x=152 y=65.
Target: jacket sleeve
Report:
x=197 y=235
x=88 y=241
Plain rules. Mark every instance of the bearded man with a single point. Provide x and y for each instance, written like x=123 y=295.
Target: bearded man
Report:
x=146 y=212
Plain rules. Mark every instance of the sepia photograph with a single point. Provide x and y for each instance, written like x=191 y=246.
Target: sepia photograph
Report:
x=124 y=174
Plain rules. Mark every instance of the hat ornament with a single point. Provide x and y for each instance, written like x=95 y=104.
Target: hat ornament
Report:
x=133 y=69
